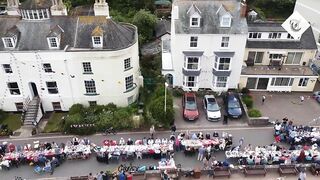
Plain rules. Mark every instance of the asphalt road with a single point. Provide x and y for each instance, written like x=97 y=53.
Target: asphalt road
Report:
x=254 y=136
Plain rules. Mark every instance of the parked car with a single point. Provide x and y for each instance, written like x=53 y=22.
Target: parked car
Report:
x=211 y=108
x=190 y=109
x=318 y=99
x=232 y=105
x=316 y=94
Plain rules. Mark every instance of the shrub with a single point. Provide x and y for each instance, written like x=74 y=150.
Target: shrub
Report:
x=248 y=101
x=245 y=91
x=177 y=92
x=254 y=113
x=3 y=115
x=75 y=109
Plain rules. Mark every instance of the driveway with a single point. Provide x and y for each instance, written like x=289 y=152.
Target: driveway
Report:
x=278 y=105
x=202 y=122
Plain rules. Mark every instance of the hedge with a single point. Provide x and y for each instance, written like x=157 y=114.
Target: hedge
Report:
x=254 y=113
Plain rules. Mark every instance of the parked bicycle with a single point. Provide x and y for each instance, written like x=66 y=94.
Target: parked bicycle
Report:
x=110 y=131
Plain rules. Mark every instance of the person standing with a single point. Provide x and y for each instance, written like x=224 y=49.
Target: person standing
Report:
x=302 y=175
x=173 y=128
x=301 y=99
x=201 y=153
x=263 y=99
x=152 y=131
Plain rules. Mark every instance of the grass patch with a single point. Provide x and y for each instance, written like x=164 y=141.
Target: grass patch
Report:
x=54 y=123
x=12 y=120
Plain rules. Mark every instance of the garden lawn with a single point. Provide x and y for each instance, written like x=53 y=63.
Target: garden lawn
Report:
x=54 y=123
x=12 y=120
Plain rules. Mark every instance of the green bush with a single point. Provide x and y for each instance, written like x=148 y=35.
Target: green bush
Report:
x=254 y=113
x=248 y=101
x=3 y=115
x=75 y=109
x=245 y=91
x=177 y=92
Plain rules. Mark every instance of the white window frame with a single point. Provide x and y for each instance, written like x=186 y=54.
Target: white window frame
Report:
x=8 y=42
x=186 y=81
x=47 y=67
x=56 y=106
x=303 y=82
x=274 y=35
x=276 y=80
x=193 y=41
x=225 y=21
x=129 y=82
x=87 y=69
x=53 y=42
x=219 y=83
x=197 y=18
x=90 y=87
x=225 y=41
x=13 y=89
x=7 y=69
x=294 y=57
x=275 y=57
x=127 y=64
x=254 y=35
x=255 y=56
x=217 y=63
x=97 y=41
x=52 y=87
x=186 y=63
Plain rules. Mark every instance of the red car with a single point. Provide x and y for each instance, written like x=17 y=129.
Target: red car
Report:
x=190 y=109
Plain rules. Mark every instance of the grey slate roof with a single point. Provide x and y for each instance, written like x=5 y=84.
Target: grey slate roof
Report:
x=77 y=32
x=307 y=40
x=162 y=27
x=36 y=4
x=210 y=20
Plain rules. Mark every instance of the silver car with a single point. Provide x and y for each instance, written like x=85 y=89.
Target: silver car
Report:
x=211 y=108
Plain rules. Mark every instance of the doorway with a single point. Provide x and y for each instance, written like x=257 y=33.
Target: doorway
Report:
x=34 y=90
x=263 y=83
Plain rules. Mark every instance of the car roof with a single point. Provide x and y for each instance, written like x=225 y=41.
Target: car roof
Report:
x=232 y=97
x=209 y=96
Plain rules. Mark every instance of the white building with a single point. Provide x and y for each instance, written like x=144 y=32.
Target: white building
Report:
x=65 y=60
x=275 y=61
x=310 y=10
x=207 y=44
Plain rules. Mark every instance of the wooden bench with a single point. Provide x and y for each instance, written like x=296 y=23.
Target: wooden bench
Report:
x=79 y=178
x=314 y=168
x=255 y=170
x=287 y=169
x=221 y=172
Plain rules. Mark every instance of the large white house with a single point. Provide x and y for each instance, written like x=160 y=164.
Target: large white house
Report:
x=63 y=59
x=310 y=10
x=207 y=44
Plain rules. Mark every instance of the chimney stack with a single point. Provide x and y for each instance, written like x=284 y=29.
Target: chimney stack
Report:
x=243 y=8
x=101 y=8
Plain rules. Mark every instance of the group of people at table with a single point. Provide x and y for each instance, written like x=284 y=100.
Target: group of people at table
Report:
x=286 y=131
x=43 y=154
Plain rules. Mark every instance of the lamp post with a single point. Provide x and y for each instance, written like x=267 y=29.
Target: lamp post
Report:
x=165 y=97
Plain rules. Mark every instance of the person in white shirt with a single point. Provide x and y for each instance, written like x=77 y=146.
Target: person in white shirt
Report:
x=122 y=142
x=157 y=141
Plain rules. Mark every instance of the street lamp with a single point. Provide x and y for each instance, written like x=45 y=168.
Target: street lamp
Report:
x=165 y=97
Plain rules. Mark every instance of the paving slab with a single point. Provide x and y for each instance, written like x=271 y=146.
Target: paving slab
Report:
x=278 y=105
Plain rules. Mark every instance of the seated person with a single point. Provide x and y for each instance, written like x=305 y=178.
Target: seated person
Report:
x=144 y=141
x=309 y=158
x=130 y=141
x=121 y=142
x=215 y=134
x=276 y=159
x=194 y=136
x=250 y=160
x=157 y=141
x=257 y=160
x=207 y=136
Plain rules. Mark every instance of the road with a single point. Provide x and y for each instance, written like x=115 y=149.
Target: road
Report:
x=254 y=136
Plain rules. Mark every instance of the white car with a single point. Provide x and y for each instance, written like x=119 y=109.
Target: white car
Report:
x=211 y=108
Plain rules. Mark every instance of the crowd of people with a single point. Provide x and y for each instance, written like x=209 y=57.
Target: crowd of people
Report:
x=286 y=131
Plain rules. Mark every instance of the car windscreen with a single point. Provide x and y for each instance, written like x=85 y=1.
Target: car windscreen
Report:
x=191 y=103
x=233 y=104
x=212 y=105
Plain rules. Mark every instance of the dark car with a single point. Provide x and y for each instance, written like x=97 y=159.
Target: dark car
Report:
x=233 y=108
x=190 y=109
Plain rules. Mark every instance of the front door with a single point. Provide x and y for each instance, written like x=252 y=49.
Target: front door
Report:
x=34 y=89
x=263 y=83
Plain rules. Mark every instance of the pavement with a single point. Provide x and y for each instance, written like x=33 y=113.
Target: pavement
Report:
x=279 y=105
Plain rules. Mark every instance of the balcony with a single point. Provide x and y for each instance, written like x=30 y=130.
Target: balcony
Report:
x=191 y=72
x=290 y=70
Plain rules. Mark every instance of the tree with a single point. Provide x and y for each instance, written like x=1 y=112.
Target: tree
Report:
x=157 y=110
x=145 y=21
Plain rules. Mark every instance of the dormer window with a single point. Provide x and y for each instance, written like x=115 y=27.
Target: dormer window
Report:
x=8 y=42
x=53 y=42
x=97 y=41
x=225 y=21
x=97 y=37
x=195 y=22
